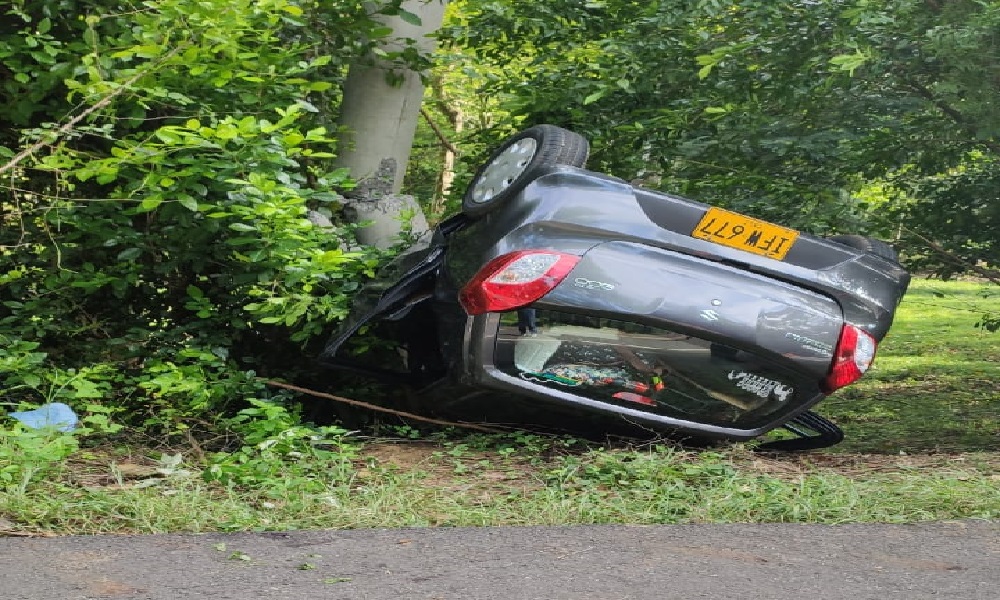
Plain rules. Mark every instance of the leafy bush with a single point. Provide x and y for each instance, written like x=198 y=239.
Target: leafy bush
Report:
x=27 y=455
x=278 y=452
x=155 y=234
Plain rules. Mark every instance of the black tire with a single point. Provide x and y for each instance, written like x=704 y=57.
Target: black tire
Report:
x=505 y=173
x=867 y=244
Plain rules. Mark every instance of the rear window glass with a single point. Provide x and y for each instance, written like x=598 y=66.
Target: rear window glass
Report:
x=642 y=367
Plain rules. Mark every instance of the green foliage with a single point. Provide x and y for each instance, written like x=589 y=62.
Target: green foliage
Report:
x=193 y=386
x=990 y=320
x=28 y=455
x=653 y=470
x=157 y=252
x=634 y=78
x=783 y=110
x=279 y=453
x=949 y=221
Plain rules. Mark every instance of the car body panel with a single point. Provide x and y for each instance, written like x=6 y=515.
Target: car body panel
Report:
x=572 y=210
x=776 y=322
x=714 y=301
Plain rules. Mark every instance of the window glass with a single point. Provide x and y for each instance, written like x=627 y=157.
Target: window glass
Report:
x=643 y=367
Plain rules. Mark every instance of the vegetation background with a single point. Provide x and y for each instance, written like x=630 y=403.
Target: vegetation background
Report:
x=158 y=161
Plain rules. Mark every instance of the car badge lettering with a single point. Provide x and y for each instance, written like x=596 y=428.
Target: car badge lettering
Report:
x=590 y=284
x=811 y=344
x=761 y=386
x=709 y=315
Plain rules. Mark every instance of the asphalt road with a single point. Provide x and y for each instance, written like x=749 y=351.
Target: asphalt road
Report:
x=954 y=560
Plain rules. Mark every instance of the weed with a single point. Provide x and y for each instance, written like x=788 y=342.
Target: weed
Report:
x=279 y=453
x=27 y=455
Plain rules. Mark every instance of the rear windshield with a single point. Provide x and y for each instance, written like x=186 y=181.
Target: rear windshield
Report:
x=643 y=367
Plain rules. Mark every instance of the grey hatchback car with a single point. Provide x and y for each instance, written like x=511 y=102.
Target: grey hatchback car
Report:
x=562 y=289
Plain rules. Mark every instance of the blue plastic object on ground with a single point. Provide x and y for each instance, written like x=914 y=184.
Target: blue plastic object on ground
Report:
x=56 y=415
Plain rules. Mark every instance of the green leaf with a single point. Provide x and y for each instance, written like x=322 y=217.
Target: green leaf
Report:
x=849 y=62
x=226 y=131
x=316 y=134
x=594 y=97
x=409 y=17
x=151 y=203
x=129 y=254
x=167 y=136
x=707 y=59
x=188 y=202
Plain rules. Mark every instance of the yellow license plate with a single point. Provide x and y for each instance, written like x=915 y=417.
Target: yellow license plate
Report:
x=752 y=235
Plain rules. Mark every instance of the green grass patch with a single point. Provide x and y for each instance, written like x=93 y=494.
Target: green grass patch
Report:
x=922 y=440
x=936 y=382
x=411 y=484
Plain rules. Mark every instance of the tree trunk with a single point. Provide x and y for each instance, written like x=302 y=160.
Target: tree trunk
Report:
x=379 y=111
x=454 y=115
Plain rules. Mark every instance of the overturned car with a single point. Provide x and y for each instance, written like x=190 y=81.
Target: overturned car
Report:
x=563 y=289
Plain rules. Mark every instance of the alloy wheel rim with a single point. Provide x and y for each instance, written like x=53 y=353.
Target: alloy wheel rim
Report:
x=504 y=170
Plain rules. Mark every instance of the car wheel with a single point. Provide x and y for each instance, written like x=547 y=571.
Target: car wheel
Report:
x=867 y=244
x=518 y=161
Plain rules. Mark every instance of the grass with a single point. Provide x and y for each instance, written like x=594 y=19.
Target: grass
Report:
x=922 y=444
x=936 y=382
x=423 y=487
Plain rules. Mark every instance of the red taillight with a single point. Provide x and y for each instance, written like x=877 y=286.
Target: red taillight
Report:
x=854 y=354
x=515 y=280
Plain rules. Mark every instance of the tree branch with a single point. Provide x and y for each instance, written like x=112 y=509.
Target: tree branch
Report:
x=951 y=112
x=375 y=407
x=68 y=127
x=437 y=131
x=990 y=274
